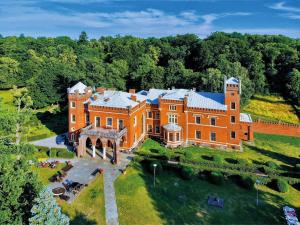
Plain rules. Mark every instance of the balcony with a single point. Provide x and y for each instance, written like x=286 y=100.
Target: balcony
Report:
x=110 y=133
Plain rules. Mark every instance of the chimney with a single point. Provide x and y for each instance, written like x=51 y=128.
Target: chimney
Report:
x=133 y=98
x=132 y=91
x=100 y=90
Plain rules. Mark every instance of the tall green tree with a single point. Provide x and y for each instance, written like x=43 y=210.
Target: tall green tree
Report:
x=9 y=69
x=213 y=80
x=293 y=85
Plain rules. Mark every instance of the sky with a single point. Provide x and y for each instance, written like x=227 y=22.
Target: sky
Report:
x=148 y=18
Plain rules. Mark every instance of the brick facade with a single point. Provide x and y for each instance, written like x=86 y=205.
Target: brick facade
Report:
x=186 y=125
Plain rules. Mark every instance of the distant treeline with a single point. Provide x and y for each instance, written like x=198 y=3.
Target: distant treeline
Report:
x=47 y=66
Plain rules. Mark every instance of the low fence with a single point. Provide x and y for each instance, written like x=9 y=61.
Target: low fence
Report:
x=276 y=128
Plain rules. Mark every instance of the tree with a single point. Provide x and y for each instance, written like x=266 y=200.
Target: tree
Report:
x=23 y=103
x=293 y=85
x=9 y=69
x=18 y=185
x=83 y=38
x=46 y=211
x=116 y=72
x=213 y=80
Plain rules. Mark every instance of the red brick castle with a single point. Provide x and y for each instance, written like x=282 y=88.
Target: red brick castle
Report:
x=108 y=119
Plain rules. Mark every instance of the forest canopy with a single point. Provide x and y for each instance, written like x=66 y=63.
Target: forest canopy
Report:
x=47 y=66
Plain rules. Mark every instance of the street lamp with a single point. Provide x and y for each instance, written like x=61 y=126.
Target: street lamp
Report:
x=154 y=167
x=257 y=183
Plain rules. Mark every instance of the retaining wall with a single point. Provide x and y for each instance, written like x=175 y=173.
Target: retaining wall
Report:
x=276 y=128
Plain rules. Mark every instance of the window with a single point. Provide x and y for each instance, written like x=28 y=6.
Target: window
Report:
x=177 y=137
x=73 y=104
x=108 y=121
x=73 y=118
x=149 y=114
x=232 y=134
x=157 y=115
x=134 y=121
x=120 y=124
x=97 y=122
x=149 y=128
x=172 y=107
x=72 y=137
x=198 y=134
x=197 y=119
x=87 y=119
x=157 y=129
x=232 y=106
x=232 y=93
x=171 y=137
x=172 y=118
x=232 y=119
x=213 y=121
x=213 y=136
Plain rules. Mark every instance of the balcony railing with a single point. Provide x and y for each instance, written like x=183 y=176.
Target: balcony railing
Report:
x=103 y=132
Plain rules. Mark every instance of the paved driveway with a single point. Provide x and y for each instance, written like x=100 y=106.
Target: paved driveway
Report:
x=52 y=142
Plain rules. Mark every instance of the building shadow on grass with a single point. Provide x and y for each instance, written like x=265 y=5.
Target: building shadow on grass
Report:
x=81 y=219
x=181 y=201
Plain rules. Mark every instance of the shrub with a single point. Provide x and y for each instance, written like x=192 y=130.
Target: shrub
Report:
x=272 y=165
x=247 y=182
x=297 y=167
x=37 y=137
x=158 y=168
x=243 y=161
x=216 y=178
x=217 y=159
x=188 y=155
x=138 y=158
x=187 y=173
x=52 y=153
x=64 y=153
x=43 y=148
x=282 y=185
x=232 y=161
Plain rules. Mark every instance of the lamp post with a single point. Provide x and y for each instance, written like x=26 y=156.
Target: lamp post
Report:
x=154 y=167
x=257 y=183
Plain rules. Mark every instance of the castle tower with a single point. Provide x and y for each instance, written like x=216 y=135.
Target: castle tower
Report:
x=232 y=91
x=77 y=114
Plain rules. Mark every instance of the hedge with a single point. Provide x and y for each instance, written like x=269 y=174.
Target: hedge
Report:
x=282 y=185
x=65 y=154
x=216 y=178
x=158 y=168
x=297 y=167
x=272 y=165
x=187 y=173
x=247 y=182
x=37 y=137
x=217 y=159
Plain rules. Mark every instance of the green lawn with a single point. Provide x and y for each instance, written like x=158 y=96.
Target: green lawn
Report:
x=45 y=122
x=272 y=108
x=44 y=174
x=177 y=201
x=88 y=208
x=283 y=150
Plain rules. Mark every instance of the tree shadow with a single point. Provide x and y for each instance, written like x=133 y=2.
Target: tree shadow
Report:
x=81 y=219
x=268 y=100
x=56 y=122
x=181 y=201
x=280 y=157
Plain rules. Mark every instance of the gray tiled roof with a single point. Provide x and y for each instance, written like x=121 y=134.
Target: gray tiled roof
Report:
x=79 y=86
x=206 y=100
x=232 y=80
x=245 y=117
x=118 y=99
x=172 y=127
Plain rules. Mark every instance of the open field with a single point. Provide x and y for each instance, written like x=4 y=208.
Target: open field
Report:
x=45 y=122
x=272 y=108
x=88 y=208
x=178 y=201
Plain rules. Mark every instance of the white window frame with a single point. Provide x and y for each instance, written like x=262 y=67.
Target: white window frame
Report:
x=107 y=121
x=231 y=106
x=234 y=135
x=158 y=128
x=73 y=121
x=196 y=119
x=196 y=134
x=149 y=125
x=118 y=120
x=210 y=136
x=215 y=121
x=72 y=137
x=232 y=116
x=149 y=112
x=96 y=121
x=172 y=107
x=72 y=104
x=134 y=121
x=172 y=118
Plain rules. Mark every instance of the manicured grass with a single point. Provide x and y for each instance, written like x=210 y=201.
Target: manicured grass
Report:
x=177 y=201
x=283 y=150
x=272 y=108
x=44 y=174
x=45 y=122
x=88 y=208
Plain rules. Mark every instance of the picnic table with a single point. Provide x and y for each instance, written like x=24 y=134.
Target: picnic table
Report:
x=67 y=168
x=58 y=191
x=215 y=201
